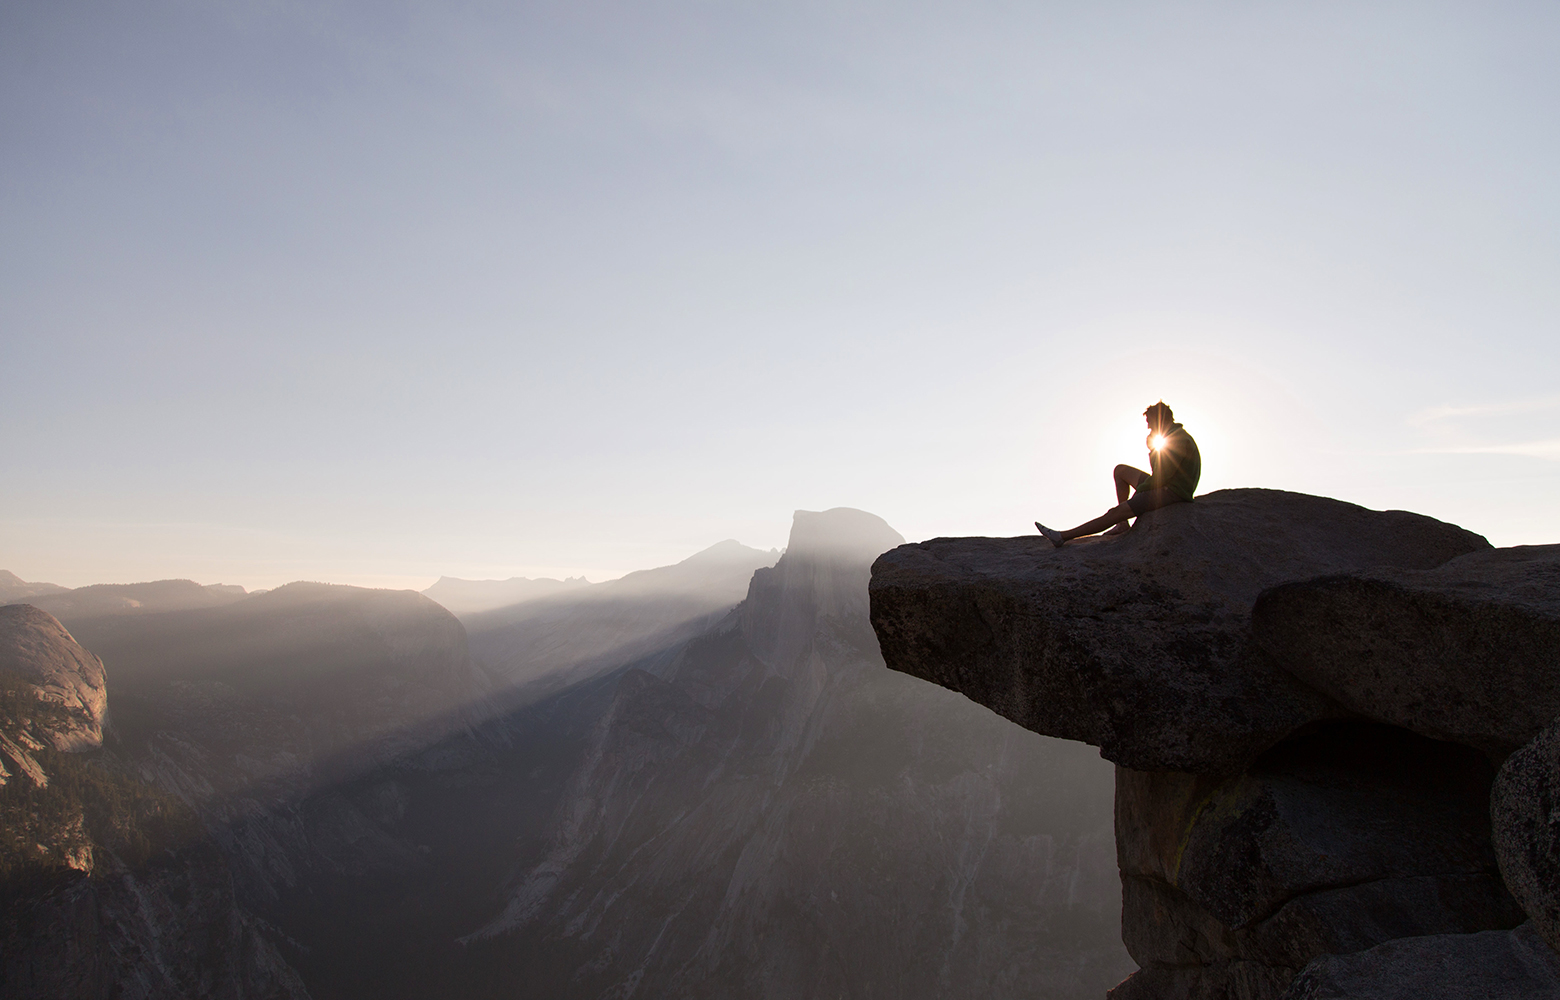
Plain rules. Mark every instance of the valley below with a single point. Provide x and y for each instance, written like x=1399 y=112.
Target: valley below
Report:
x=695 y=781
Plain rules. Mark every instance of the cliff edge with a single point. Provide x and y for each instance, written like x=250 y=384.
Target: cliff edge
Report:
x=1307 y=702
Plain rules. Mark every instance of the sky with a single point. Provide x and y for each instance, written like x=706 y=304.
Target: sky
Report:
x=377 y=292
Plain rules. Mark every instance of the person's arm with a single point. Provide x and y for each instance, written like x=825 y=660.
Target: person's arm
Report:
x=1170 y=459
x=1155 y=459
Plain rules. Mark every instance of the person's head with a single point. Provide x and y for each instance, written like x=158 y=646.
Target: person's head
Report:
x=1159 y=417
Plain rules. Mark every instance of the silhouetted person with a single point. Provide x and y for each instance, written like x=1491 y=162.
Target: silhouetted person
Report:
x=1177 y=465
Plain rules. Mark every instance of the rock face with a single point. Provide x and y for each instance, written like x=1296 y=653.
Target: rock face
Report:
x=36 y=649
x=1139 y=644
x=1526 y=812
x=1463 y=652
x=1335 y=841
x=1307 y=700
x=1492 y=965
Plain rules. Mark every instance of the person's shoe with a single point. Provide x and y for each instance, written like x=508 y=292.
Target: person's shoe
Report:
x=1054 y=537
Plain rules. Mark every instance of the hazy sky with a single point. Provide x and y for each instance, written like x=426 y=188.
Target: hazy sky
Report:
x=376 y=292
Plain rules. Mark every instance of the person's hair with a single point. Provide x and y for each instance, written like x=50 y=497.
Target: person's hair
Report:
x=1160 y=414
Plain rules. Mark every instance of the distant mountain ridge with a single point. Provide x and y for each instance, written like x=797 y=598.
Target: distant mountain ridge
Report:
x=542 y=645
x=126 y=598
x=13 y=588
x=466 y=597
x=280 y=688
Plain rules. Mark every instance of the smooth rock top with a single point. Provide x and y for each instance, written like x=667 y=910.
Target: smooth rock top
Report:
x=1140 y=644
x=36 y=648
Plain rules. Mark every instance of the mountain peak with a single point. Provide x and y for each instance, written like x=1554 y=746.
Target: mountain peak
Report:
x=14 y=588
x=727 y=551
x=841 y=531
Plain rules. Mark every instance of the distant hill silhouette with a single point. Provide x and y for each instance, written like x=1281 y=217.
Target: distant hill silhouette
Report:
x=306 y=678
x=71 y=606
x=468 y=597
x=544 y=644
x=14 y=589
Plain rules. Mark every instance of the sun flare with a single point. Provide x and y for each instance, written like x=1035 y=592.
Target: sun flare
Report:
x=1156 y=442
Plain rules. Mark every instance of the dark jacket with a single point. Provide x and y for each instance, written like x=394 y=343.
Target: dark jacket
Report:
x=1177 y=466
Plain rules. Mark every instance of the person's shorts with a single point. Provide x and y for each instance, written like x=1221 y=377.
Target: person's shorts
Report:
x=1144 y=501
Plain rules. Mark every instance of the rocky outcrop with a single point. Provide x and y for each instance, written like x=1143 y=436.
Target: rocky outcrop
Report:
x=1462 y=652
x=37 y=651
x=1140 y=644
x=1525 y=809
x=1491 y=965
x=1307 y=700
x=1342 y=838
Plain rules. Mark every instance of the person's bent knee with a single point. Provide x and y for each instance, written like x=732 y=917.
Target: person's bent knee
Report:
x=1144 y=501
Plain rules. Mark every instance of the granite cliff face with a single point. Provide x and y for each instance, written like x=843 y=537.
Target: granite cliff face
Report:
x=109 y=885
x=37 y=652
x=1307 y=702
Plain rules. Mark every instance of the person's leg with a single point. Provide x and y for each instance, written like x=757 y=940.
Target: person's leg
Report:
x=1127 y=479
x=1116 y=515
